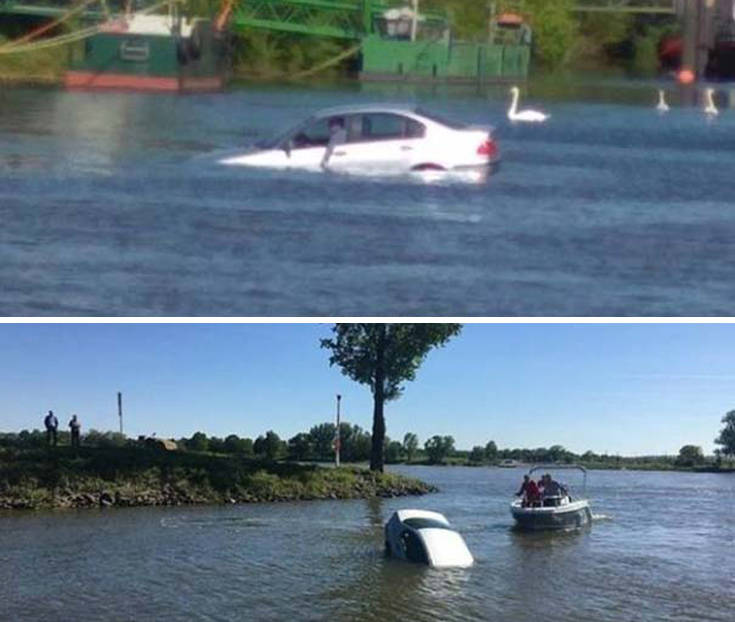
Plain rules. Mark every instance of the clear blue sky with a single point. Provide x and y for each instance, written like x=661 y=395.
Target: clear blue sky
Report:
x=619 y=388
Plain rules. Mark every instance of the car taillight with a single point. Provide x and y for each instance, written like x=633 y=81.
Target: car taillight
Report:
x=488 y=148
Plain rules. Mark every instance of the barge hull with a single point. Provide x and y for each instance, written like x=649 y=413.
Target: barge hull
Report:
x=88 y=80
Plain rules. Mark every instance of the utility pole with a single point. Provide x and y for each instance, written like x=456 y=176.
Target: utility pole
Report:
x=367 y=16
x=698 y=16
x=414 y=19
x=337 y=439
x=119 y=409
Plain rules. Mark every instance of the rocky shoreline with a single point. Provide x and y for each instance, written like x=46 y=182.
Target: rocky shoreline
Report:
x=171 y=495
x=197 y=481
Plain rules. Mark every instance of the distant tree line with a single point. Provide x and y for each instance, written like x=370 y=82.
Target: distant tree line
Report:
x=318 y=444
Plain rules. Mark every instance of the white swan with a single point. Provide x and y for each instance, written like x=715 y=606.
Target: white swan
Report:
x=710 y=108
x=662 y=106
x=529 y=116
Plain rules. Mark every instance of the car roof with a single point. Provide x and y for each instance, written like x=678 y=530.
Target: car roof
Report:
x=366 y=108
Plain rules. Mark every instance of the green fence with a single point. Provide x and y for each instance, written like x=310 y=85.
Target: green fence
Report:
x=461 y=61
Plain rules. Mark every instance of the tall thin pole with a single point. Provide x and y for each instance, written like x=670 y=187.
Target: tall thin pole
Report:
x=337 y=439
x=691 y=18
x=414 y=19
x=367 y=16
x=119 y=409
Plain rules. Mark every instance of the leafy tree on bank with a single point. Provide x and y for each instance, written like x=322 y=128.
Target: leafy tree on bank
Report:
x=301 y=447
x=590 y=456
x=235 y=445
x=271 y=446
x=393 y=451
x=491 y=451
x=554 y=30
x=354 y=443
x=383 y=356
x=95 y=438
x=438 y=448
x=727 y=435
x=689 y=456
x=322 y=436
x=477 y=455
x=216 y=445
x=410 y=445
x=718 y=458
x=198 y=442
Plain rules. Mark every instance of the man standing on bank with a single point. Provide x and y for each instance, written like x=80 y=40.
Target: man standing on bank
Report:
x=75 y=427
x=52 y=425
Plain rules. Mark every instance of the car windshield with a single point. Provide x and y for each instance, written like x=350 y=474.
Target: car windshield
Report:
x=455 y=125
x=426 y=523
x=275 y=141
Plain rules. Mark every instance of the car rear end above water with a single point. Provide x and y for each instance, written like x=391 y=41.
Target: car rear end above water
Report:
x=457 y=147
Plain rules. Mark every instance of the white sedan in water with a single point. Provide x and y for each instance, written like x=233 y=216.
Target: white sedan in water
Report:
x=375 y=138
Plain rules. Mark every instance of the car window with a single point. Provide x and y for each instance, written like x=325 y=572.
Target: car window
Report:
x=354 y=128
x=414 y=129
x=314 y=134
x=386 y=126
x=413 y=548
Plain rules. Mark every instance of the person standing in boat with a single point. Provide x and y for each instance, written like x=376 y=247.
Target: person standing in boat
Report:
x=530 y=492
x=552 y=488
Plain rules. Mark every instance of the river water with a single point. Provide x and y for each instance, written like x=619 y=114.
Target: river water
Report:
x=113 y=204
x=660 y=548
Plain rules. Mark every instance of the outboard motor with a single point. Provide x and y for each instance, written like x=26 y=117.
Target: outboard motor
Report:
x=427 y=538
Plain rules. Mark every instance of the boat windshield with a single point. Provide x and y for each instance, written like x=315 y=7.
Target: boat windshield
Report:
x=426 y=523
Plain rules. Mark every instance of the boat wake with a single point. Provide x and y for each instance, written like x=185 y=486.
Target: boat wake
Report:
x=178 y=522
x=601 y=517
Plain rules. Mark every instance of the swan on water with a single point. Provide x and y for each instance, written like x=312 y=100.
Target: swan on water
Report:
x=528 y=115
x=710 y=107
x=662 y=106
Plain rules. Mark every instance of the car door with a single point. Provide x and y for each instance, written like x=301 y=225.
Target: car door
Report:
x=381 y=141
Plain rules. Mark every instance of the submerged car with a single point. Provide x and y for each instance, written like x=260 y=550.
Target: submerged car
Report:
x=426 y=538
x=376 y=137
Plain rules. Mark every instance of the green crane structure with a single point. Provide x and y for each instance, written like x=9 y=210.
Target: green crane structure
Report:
x=342 y=19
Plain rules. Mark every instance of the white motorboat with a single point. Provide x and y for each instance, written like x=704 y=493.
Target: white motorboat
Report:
x=557 y=511
x=381 y=137
x=427 y=538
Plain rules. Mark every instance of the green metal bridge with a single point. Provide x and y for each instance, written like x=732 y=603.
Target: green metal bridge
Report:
x=341 y=19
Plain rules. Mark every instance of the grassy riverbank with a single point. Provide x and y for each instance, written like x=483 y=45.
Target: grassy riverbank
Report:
x=132 y=476
x=44 y=66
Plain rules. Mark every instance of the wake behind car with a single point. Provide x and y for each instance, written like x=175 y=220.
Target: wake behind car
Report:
x=376 y=138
